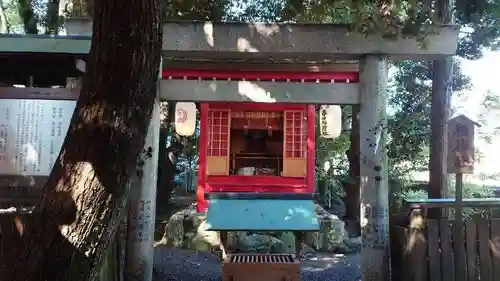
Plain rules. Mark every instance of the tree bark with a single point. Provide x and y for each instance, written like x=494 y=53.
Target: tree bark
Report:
x=167 y=160
x=440 y=108
x=52 y=17
x=78 y=8
x=27 y=15
x=352 y=189
x=85 y=194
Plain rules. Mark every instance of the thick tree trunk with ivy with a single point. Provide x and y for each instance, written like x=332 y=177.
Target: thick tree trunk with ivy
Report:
x=84 y=197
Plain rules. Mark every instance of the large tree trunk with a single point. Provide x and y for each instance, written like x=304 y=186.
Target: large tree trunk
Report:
x=27 y=15
x=167 y=160
x=52 y=18
x=166 y=168
x=84 y=197
x=440 y=110
x=352 y=188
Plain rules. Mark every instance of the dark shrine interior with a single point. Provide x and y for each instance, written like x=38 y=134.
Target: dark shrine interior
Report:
x=45 y=69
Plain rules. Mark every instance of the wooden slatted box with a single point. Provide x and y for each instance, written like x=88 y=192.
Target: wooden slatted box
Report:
x=261 y=267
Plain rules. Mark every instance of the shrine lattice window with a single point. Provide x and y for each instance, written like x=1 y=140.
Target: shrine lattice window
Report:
x=296 y=134
x=218 y=133
x=218 y=123
x=295 y=148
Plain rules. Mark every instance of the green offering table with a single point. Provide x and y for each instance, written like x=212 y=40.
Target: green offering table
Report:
x=243 y=211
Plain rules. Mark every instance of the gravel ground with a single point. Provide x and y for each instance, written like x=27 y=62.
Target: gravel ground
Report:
x=182 y=265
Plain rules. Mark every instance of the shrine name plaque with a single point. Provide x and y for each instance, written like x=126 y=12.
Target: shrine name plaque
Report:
x=31 y=134
x=257 y=120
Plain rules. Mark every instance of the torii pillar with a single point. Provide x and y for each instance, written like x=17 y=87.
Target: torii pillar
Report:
x=374 y=215
x=139 y=259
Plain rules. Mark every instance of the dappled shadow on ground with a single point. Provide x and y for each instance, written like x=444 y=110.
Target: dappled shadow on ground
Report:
x=321 y=262
x=172 y=264
x=182 y=265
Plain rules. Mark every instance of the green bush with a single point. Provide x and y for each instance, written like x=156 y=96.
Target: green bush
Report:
x=469 y=191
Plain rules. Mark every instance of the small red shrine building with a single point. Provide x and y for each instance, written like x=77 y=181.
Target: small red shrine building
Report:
x=248 y=147
x=257 y=147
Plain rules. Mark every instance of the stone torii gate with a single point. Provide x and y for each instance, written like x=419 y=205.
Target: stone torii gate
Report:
x=276 y=47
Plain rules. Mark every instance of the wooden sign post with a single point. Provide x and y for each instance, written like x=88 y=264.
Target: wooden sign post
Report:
x=460 y=161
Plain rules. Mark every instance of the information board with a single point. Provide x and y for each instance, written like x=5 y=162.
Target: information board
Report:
x=31 y=134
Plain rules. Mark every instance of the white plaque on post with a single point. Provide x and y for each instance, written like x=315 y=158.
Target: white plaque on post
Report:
x=31 y=134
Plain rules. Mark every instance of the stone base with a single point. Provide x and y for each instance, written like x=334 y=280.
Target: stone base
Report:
x=187 y=229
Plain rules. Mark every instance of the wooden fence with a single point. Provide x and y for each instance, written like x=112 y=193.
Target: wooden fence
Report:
x=425 y=250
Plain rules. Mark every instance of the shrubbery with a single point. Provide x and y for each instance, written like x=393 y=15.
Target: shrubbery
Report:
x=469 y=191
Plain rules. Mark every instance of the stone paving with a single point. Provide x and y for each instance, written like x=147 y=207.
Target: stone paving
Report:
x=183 y=265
